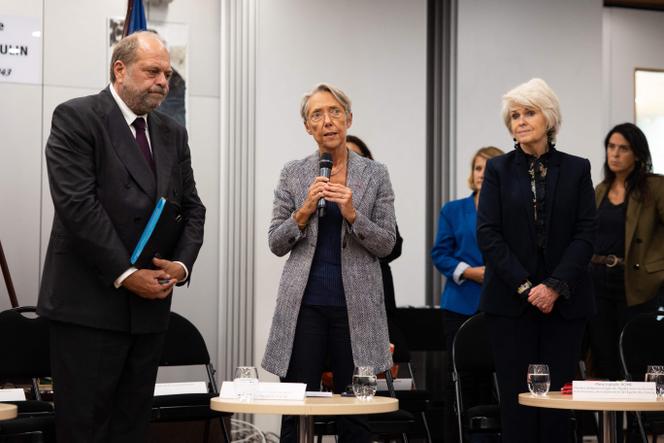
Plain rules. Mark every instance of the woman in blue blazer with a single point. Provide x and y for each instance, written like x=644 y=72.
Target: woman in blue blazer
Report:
x=535 y=228
x=455 y=253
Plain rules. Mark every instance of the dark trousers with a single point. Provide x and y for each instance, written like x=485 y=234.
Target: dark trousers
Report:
x=322 y=343
x=103 y=383
x=533 y=338
x=612 y=315
x=605 y=328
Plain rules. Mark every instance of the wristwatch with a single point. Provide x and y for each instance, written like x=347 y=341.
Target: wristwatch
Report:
x=524 y=288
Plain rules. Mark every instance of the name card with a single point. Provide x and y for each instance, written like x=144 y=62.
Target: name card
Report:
x=13 y=394
x=268 y=391
x=613 y=390
x=187 y=387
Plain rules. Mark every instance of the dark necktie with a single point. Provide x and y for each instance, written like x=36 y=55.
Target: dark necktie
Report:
x=142 y=140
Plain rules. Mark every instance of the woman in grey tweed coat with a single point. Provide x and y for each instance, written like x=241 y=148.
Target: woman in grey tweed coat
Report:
x=330 y=311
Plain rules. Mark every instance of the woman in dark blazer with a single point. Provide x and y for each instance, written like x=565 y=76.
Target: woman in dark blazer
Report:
x=628 y=265
x=536 y=228
x=330 y=304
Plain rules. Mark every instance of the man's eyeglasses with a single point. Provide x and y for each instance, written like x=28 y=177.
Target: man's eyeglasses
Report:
x=333 y=113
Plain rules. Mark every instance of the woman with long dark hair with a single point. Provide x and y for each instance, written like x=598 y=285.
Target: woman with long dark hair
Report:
x=628 y=264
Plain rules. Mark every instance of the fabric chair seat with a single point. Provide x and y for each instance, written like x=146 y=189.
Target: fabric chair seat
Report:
x=184 y=407
x=483 y=418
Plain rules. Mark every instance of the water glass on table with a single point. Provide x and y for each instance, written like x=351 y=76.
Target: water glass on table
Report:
x=245 y=382
x=655 y=373
x=364 y=382
x=539 y=379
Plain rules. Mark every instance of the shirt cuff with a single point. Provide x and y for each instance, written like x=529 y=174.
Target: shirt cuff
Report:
x=118 y=281
x=186 y=271
x=458 y=272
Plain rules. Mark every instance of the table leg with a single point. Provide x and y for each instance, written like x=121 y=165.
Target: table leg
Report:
x=306 y=429
x=609 y=426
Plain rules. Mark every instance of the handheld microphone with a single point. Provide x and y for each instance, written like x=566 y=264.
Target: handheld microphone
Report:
x=325 y=164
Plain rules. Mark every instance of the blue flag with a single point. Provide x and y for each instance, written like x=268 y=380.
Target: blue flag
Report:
x=137 y=21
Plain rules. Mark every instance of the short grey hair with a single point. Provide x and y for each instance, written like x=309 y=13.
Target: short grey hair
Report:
x=337 y=93
x=126 y=49
x=534 y=93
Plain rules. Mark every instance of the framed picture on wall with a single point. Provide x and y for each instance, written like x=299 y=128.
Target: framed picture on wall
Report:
x=176 y=37
x=649 y=111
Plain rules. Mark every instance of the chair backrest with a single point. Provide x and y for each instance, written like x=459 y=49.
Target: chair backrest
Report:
x=640 y=344
x=25 y=344
x=184 y=345
x=471 y=350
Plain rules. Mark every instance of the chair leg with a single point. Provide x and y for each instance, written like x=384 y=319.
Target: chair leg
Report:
x=227 y=437
x=642 y=431
x=425 y=422
x=206 y=432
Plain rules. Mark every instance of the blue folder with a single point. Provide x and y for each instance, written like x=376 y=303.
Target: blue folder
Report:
x=160 y=235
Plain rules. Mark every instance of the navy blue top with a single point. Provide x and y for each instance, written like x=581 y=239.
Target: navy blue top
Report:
x=325 y=286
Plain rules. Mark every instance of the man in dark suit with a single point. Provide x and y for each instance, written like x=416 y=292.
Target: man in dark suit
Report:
x=109 y=159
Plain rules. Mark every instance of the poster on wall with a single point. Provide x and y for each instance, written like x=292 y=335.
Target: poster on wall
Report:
x=20 y=50
x=175 y=36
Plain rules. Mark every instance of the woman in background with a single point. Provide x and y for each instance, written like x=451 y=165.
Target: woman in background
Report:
x=628 y=265
x=455 y=252
x=536 y=230
x=358 y=146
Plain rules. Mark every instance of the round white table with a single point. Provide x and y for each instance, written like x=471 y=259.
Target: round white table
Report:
x=7 y=411
x=556 y=400
x=306 y=409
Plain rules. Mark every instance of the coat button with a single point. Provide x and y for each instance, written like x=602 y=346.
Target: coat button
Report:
x=638 y=240
x=137 y=220
x=360 y=236
x=291 y=240
x=636 y=267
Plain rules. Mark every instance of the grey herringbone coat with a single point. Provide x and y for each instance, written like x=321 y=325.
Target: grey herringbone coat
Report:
x=372 y=235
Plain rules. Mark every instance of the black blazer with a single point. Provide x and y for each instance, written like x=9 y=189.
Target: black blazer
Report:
x=103 y=192
x=506 y=232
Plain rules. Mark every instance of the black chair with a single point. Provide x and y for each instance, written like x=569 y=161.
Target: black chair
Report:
x=410 y=419
x=473 y=372
x=185 y=346
x=382 y=426
x=640 y=345
x=413 y=404
x=26 y=358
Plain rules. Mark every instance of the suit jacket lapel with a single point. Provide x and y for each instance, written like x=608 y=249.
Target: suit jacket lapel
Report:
x=552 y=173
x=310 y=172
x=519 y=170
x=631 y=218
x=162 y=151
x=356 y=179
x=125 y=145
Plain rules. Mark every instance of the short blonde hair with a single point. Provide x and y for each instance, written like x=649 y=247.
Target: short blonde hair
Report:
x=535 y=93
x=486 y=152
x=337 y=93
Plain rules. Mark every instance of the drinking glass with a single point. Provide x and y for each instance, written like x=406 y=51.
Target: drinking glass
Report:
x=245 y=382
x=364 y=382
x=539 y=379
x=655 y=373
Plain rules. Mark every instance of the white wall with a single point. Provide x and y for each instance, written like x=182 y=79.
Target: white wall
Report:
x=502 y=44
x=632 y=39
